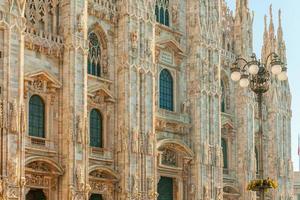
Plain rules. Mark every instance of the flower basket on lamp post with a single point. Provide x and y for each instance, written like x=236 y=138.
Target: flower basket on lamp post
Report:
x=259 y=185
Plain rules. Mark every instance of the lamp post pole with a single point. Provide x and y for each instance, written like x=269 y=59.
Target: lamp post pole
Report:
x=256 y=74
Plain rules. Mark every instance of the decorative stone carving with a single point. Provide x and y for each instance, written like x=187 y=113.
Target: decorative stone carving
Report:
x=13 y=116
x=39 y=166
x=37 y=180
x=104 y=61
x=12 y=170
x=169 y=158
x=135 y=141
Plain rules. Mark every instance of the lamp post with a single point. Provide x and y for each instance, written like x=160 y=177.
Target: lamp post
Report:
x=255 y=74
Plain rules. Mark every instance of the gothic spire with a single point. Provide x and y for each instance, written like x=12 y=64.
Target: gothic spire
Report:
x=271 y=26
x=279 y=31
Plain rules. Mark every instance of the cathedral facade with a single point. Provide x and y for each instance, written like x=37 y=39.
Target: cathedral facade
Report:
x=132 y=99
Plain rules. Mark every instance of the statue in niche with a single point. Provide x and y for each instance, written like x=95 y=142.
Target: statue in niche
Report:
x=205 y=193
x=219 y=193
x=134 y=39
x=206 y=152
x=186 y=107
x=218 y=156
x=281 y=169
x=79 y=177
x=79 y=129
x=150 y=142
x=23 y=121
x=1 y=114
x=135 y=140
x=104 y=60
x=14 y=116
x=175 y=15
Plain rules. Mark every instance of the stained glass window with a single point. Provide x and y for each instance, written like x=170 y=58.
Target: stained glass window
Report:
x=96 y=197
x=162 y=12
x=95 y=129
x=166 y=90
x=36 y=117
x=94 y=57
x=224 y=150
x=165 y=188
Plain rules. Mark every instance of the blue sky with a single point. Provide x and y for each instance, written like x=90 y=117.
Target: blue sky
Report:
x=291 y=28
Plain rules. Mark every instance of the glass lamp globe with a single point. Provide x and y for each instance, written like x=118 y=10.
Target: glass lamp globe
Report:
x=235 y=76
x=282 y=76
x=244 y=82
x=253 y=69
x=276 y=69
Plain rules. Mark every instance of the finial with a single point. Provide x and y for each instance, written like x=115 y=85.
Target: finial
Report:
x=271 y=14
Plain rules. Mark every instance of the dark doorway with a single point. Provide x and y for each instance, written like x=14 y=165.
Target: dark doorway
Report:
x=96 y=197
x=165 y=188
x=35 y=194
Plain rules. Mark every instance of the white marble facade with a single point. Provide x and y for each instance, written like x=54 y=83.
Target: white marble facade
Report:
x=45 y=51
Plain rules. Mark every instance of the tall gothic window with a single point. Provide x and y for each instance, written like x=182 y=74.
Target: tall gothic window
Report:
x=165 y=188
x=223 y=97
x=224 y=151
x=36 y=117
x=166 y=90
x=96 y=129
x=162 y=12
x=94 y=58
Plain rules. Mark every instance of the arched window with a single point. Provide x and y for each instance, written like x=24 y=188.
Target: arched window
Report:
x=96 y=129
x=166 y=90
x=223 y=97
x=162 y=12
x=36 y=117
x=224 y=150
x=94 y=57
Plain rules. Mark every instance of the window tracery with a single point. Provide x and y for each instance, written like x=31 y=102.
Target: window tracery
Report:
x=43 y=15
x=162 y=12
x=94 y=58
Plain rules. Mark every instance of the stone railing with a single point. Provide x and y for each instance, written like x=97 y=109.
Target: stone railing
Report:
x=42 y=41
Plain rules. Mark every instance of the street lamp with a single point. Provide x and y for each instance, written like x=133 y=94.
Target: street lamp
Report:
x=255 y=74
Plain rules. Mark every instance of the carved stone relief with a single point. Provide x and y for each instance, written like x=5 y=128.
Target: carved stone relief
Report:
x=169 y=157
